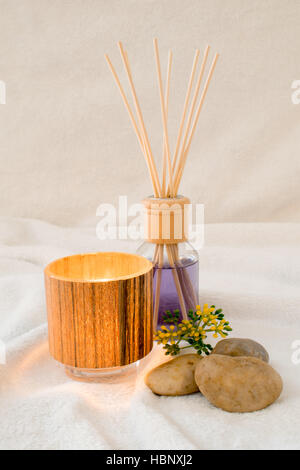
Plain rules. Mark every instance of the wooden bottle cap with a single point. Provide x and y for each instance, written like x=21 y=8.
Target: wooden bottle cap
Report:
x=166 y=220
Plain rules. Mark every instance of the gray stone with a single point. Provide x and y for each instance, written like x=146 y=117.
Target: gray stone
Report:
x=241 y=347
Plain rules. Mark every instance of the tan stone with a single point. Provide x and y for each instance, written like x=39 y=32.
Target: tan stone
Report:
x=175 y=377
x=241 y=347
x=238 y=384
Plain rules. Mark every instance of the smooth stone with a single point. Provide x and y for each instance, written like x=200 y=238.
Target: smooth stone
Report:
x=175 y=377
x=241 y=347
x=238 y=384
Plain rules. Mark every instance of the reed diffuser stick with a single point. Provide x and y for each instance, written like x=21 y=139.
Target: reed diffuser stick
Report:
x=166 y=139
x=186 y=150
x=159 y=249
x=158 y=264
x=193 y=105
x=146 y=149
x=167 y=93
x=163 y=111
x=139 y=114
x=132 y=119
x=185 y=108
x=177 y=282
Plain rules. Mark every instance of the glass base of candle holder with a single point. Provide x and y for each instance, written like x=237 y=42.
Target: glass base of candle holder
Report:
x=109 y=375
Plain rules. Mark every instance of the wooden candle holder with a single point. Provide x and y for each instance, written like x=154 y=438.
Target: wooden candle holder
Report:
x=99 y=309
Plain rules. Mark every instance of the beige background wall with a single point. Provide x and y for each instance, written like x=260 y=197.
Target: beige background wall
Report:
x=66 y=143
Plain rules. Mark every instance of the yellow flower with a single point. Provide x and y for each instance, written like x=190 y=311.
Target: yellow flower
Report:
x=203 y=322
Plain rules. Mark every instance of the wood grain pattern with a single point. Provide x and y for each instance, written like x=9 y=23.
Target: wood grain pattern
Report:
x=99 y=309
x=166 y=221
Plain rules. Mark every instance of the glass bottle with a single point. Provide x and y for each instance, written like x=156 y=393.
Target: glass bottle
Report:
x=176 y=262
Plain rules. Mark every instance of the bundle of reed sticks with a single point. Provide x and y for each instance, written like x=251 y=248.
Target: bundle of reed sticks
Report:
x=172 y=164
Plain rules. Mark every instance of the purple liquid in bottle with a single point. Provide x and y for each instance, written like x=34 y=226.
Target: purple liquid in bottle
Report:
x=188 y=275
